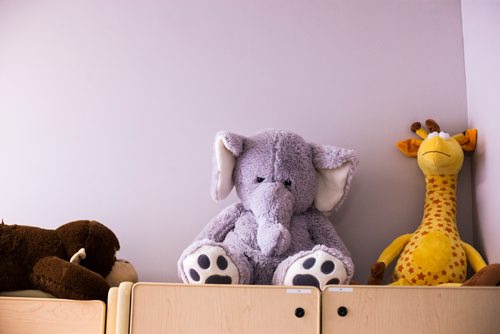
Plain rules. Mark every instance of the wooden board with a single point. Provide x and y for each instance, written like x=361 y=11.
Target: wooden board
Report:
x=411 y=309
x=41 y=316
x=112 y=305
x=221 y=309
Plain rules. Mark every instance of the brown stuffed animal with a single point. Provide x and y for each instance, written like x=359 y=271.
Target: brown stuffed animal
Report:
x=72 y=261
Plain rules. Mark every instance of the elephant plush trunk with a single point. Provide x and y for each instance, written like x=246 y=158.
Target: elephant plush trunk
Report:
x=272 y=205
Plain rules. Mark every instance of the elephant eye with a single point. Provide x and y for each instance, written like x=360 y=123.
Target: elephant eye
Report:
x=259 y=179
x=287 y=183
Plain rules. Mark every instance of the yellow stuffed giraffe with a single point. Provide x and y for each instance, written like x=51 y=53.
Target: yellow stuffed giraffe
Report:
x=434 y=253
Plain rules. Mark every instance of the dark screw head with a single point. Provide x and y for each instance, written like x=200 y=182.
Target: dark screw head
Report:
x=299 y=312
x=342 y=311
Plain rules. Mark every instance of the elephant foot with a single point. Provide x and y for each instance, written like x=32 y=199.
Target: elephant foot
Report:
x=314 y=268
x=212 y=264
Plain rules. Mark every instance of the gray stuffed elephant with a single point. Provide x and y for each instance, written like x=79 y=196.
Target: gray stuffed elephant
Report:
x=278 y=233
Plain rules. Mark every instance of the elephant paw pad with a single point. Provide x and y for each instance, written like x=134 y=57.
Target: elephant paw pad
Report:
x=317 y=269
x=210 y=265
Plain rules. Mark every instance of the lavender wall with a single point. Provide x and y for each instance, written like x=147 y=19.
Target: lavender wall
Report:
x=481 y=25
x=108 y=109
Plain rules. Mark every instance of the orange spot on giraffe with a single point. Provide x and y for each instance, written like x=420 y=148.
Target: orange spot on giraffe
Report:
x=400 y=268
x=444 y=272
x=462 y=262
x=413 y=280
x=411 y=270
x=425 y=232
x=421 y=276
x=436 y=201
x=435 y=276
x=432 y=180
x=449 y=230
x=454 y=254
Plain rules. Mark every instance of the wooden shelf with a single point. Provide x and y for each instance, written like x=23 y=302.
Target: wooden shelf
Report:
x=180 y=308
x=47 y=315
x=391 y=309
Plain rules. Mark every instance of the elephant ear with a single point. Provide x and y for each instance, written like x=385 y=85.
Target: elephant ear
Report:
x=228 y=146
x=335 y=167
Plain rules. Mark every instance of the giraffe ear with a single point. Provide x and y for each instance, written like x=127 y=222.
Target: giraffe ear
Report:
x=467 y=139
x=409 y=147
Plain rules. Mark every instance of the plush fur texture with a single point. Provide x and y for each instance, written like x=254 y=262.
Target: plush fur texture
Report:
x=276 y=176
x=36 y=258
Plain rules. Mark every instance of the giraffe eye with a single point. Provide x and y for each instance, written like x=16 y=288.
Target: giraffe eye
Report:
x=259 y=179
x=444 y=135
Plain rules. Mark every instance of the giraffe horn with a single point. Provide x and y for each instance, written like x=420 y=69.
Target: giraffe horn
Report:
x=417 y=128
x=432 y=125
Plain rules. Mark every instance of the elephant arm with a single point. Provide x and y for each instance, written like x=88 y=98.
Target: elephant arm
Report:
x=323 y=233
x=222 y=224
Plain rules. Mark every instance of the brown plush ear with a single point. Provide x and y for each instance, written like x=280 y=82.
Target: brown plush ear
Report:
x=100 y=244
x=467 y=139
x=409 y=147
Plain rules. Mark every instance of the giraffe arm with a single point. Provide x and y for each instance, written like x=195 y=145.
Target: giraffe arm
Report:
x=394 y=249
x=475 y=259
